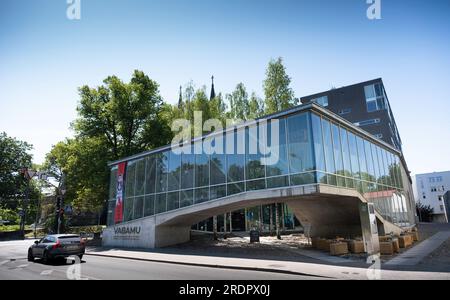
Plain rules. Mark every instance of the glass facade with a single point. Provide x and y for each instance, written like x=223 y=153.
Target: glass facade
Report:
x=311 y=149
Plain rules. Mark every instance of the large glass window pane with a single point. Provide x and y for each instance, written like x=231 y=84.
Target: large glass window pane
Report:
x=337 y=150
x=302 y=179
x=130 y=179
x=346 y=158
x=370 y=165
x=140 y=178
x=399 y=172
x=388 y=167
x=113 y=183
x=187 y=168
x=218 y=191
x=201 y=170
x=300 y=146
x=376 y=166
x=201 y=195
x=256 y=185
x=186 y=198
x=174 y=171
x=318 y=142
x=111 y=208
x=393 y=171
x=362 y=158
x=254 y=168
x=173 y=201
x=128 y=209
x=235 y=188
x=160 y=203
x=150 y=175
x=138 y=208
x=381 y=162
x=218 y=168
x=149 y=205
x=282 y=165
x=162 y=166
x=353 y=155
x=236 y=160
x=329 y=155
x=276 y=182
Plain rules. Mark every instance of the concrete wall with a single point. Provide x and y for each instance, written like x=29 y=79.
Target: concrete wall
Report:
x=136 y=234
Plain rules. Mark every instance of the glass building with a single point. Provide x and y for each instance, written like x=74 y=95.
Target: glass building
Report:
x=315 y=147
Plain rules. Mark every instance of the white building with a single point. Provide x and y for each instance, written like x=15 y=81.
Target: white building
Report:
x=429 y=189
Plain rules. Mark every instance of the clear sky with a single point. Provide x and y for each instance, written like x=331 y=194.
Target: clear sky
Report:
x=45 y=57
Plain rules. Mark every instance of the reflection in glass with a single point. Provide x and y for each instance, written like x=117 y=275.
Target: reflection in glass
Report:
x=300 y=147
x=174 y=169
x=282 y=166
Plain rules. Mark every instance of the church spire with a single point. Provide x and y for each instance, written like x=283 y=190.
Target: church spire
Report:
x=213 y=92
x=180 y=99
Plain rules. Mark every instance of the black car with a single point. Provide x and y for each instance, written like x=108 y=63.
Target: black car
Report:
x=57 y=246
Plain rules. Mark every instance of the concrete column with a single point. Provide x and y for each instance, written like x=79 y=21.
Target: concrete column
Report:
x=231 y=222
x=224 y=223
x=271 y=219
x=215 y=228
x=369 y=228
x=277 y=220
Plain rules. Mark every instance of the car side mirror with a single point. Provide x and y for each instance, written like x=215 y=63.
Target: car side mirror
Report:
x=36 y=242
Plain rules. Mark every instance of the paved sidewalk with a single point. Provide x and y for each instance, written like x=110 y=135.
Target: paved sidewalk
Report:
x=416 y=254
x=318 y=270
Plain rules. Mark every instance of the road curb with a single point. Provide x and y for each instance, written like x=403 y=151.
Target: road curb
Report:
x=267 y=270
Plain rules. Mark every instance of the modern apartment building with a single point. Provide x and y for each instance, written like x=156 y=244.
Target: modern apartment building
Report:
x=364 y=104
x=432 y=189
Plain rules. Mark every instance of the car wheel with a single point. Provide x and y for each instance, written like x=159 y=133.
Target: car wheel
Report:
x=30 y=255
x=45 y=257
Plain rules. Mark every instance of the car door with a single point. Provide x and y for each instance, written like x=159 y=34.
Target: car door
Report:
x=39 y=249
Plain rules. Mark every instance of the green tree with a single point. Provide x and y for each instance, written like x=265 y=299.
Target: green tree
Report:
x=13 y=186
x=114 y=120
x=127 y=115
x=239 y=105
x=255 y=107
x=13 y=157
x=278 y=94
x=83 y=161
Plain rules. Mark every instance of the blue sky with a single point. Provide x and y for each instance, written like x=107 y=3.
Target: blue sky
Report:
x=44 y=57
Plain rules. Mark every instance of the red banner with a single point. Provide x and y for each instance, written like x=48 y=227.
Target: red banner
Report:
x=118 y=212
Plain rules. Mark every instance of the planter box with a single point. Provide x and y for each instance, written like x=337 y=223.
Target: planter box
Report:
x=396 y=245
x=415 y=236
x=356 y=247
x=386 y=248
x=385 y=238
x=324 y=245
x=340 y=248
x=405 y=241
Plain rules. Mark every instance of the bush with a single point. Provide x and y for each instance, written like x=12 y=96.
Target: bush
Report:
x=425 y=212
x=9 y=215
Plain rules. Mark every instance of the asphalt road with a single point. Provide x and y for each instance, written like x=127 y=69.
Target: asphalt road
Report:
x=14 y=266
